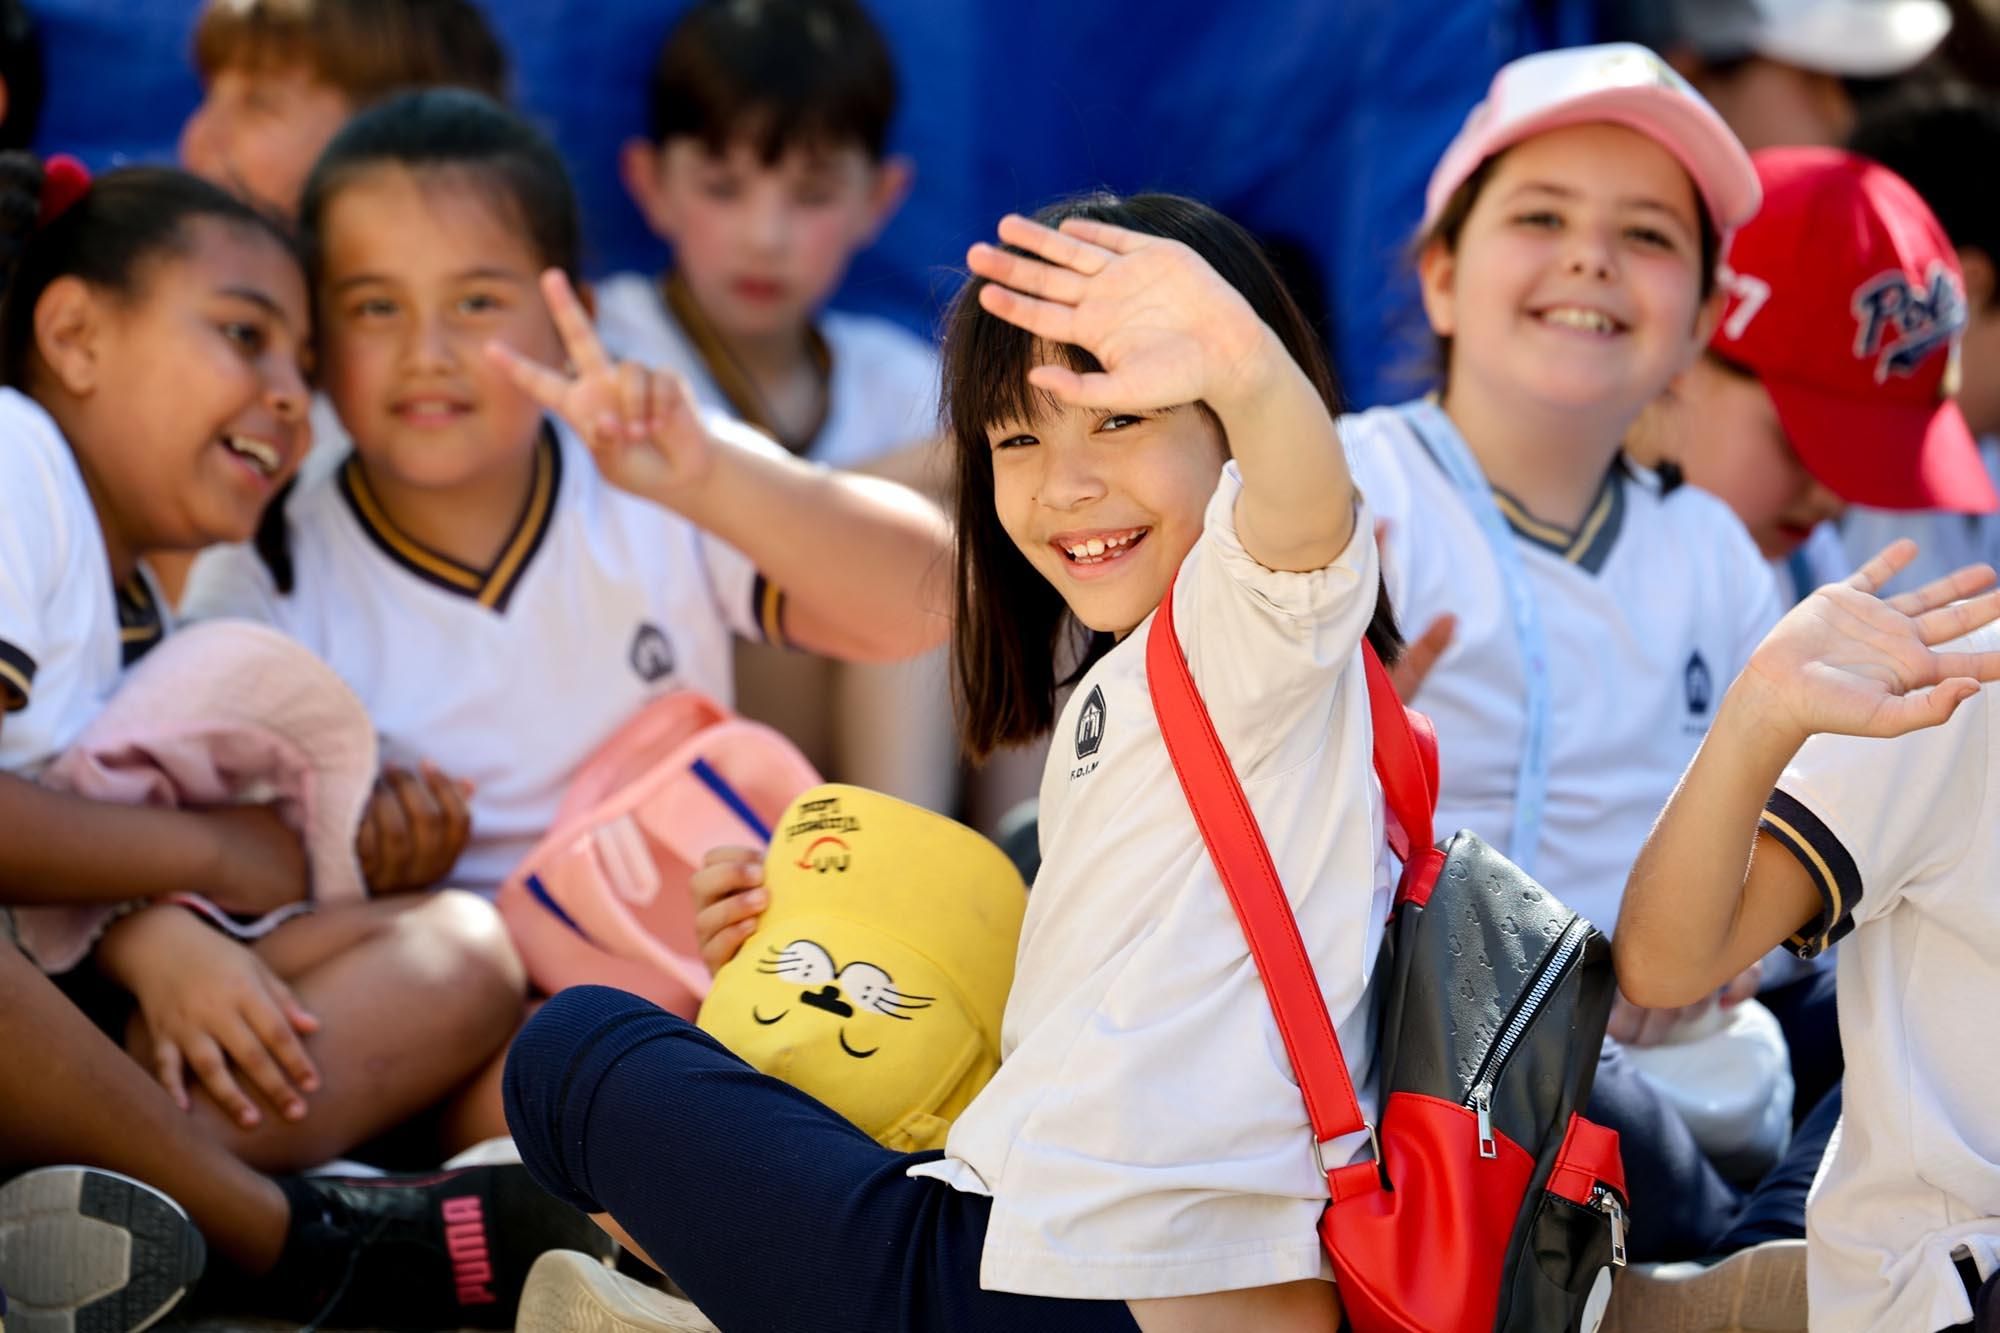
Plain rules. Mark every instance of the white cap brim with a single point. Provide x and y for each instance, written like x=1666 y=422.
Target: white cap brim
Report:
x=1861 y=39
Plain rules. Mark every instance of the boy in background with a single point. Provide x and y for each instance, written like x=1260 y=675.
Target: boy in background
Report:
x=766 y=168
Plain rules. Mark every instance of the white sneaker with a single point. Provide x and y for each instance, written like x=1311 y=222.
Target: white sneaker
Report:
x=90 y=1251
x=568 y=1292
x=1758 y=1290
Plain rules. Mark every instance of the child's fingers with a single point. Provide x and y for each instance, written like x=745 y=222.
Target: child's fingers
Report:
x=635 y=399
x=1106 y=235
x=1958 y=584
x=1900 y=714
x=722 y=946
x=726 y=853
x=245 y=1040
x=741 y=905
x=550 y=388
x=392 y=830
x=1959 y=618
x=1092 y=389
x=1045 y=319
x=1965 y=666
x=456 y=815
x=422 y=819
x=573 y=326
x=1884 y=565
x=1026 y=275
x=279 y=1025
x=205 y=1057
x=171 y=1070
x=1055 y=246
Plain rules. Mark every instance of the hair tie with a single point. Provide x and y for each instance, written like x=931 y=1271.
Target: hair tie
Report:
x=64 y=181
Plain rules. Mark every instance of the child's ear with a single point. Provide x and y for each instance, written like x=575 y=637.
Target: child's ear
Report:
x=889 y=187
x=1977 y=266
x=641 y=166
x=1437 y=266
x=1706 y=317
x=69 y=323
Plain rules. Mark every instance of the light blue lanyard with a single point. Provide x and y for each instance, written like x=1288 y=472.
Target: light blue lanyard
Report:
x=1531 y=779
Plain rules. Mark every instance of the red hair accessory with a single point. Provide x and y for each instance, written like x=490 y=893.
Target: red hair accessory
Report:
x=64 y=181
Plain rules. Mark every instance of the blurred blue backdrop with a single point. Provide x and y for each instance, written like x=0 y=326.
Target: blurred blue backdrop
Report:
x=1314 y=122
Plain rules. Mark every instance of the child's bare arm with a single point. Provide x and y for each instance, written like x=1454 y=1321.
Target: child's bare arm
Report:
x=1708 y=895
x=62 y=848
x=1169 y=331
x=864 y=563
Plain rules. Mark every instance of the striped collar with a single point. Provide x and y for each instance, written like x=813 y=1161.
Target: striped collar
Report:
x=1590 y=545
x=140 y=624
x=741 y=392
x=490 y=587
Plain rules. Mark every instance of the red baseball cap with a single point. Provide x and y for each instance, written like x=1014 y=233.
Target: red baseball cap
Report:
x=1845 y=299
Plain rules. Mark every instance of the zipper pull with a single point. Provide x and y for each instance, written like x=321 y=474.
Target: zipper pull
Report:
x=1607 y=1203
x=1482 y=1106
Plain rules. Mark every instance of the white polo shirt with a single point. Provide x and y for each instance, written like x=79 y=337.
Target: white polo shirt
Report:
x=882 y=381
x=66 y=633
x=1902 y=839
x=1144 y=1135
x=508 y=677
x=1649 y=610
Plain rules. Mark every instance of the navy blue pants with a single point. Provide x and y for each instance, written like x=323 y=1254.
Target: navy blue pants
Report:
x=1682 y=1208
x=771 y=1211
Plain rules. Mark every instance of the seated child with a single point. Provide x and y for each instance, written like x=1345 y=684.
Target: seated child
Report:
x=1891 y=848
x=765 y=167
x=280 y=76
x=501 y=580
x=152 y=338
x=1831 y=378
x=1928 y=139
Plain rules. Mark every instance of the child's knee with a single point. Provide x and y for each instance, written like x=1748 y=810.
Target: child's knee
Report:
x=462 y=938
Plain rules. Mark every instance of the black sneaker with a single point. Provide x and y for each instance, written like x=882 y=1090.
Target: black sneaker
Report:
x=448 y=1250
x=90 y=1251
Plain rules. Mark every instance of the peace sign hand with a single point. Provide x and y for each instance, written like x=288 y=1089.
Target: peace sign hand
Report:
x=640 y=423
x=1166 y=327
x=1848 y=662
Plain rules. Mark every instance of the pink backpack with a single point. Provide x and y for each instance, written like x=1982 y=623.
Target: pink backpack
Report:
x=603 y=898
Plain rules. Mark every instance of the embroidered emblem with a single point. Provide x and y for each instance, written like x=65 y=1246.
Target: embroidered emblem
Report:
x=1700 y=685
x=652 y=654
x=1090 y=724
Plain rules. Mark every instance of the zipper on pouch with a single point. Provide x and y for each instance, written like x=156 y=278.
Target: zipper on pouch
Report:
x=1480 y=1099
x=1605 y=1200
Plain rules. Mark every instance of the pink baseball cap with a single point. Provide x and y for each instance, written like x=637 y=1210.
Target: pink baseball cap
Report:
x=1619 y=83
x=1846 y=301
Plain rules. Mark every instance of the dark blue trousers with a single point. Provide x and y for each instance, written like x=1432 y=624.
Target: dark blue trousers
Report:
x=771 y=1211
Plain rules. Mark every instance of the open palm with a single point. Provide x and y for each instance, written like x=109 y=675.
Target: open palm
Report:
x=1849 y=662
x=1164 y=325
x=639 y=422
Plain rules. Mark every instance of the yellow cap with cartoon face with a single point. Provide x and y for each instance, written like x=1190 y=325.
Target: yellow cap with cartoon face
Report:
x=879 y=972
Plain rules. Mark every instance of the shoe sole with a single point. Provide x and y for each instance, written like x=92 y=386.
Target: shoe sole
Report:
x=568 y=1292
x=90 y=1251
x=1758 y=1290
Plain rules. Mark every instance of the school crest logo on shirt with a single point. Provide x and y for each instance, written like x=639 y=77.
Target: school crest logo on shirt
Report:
x=1700 y=685
x=652 y=653
x=1090 y=724
x=1899 y=324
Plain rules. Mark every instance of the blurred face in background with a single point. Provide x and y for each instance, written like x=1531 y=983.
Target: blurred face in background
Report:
x=259 y=130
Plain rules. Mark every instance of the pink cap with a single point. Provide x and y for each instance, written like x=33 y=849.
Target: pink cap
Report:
x=1619 y=83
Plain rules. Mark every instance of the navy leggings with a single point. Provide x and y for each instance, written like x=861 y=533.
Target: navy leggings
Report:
x=771 y=1211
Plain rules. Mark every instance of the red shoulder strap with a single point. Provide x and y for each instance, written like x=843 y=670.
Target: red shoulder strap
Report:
x=1406 y=763
x=1237 y=847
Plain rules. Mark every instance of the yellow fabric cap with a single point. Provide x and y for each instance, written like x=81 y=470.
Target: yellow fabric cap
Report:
x=878 y=975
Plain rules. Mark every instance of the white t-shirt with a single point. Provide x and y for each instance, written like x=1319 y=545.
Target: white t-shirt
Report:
x=508 y=677
x=882 y=381
x=1902 y=838
x=66 y=633
x=1649 y=610
x=1944 y=541
x=1144 y=1135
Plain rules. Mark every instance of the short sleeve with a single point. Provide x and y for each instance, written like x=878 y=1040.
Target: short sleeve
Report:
x=35 y=547
x=1875 y=821
x=230 y=582
x=1266 y=646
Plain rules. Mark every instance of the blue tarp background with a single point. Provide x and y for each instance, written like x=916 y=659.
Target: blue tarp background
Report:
x=1314 y=121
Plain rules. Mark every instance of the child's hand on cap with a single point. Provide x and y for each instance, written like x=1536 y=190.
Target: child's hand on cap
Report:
x=729 y=900
x=640 y=423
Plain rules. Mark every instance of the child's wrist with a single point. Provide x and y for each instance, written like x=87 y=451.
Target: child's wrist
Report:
x=1753 y=718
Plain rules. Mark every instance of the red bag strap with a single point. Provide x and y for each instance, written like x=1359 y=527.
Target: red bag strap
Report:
x=1242 y=859
x=1405 y=760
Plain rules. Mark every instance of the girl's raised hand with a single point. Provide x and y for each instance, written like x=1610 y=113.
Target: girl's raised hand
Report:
x=640 y=423
x=1166 y=327
x=1849 y=662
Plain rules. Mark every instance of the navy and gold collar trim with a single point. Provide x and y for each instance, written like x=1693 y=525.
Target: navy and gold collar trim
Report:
x=490 y=587
x=140 y=624
x=733 y=380
x=1591 y=543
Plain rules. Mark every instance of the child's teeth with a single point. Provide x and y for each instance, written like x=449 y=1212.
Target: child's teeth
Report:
x=1095 y=546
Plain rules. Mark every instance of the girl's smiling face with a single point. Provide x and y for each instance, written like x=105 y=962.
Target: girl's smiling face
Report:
x=1576 y=279
x=1105 y=505
x=419 y=271
x=186 y=404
